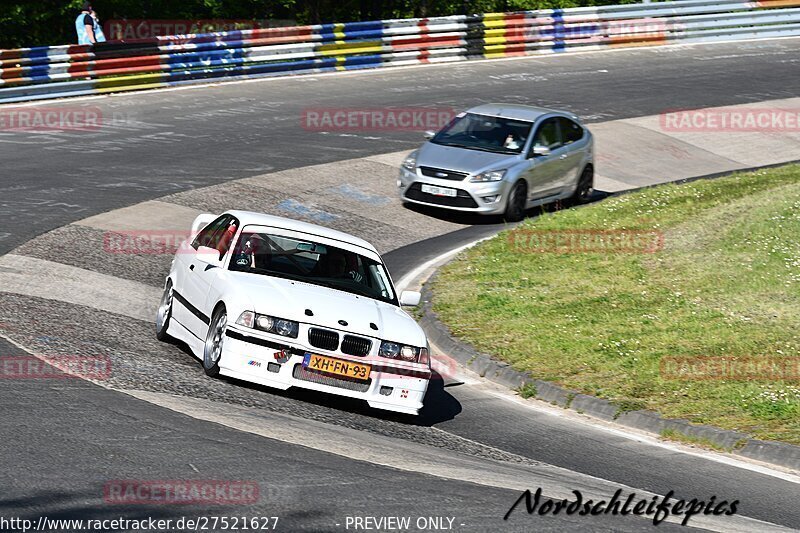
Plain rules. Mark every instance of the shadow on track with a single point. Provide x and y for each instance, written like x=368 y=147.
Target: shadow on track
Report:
x=440 y=405
x=84 y=505
x=474 y=219
x=405 y=259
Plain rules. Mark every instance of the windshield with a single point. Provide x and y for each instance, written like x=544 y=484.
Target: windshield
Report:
x=481 y=132
x=311 y=262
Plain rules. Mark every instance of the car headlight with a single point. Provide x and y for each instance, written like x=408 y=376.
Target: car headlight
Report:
x=410 y=162
x=389 y=349
x=393 y=350
x=246 y=319
x=286 y=328
x=491 y=175
x=265 y=322
x=270 y=324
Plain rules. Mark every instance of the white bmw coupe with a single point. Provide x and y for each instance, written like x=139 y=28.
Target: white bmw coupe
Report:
x=286 y=304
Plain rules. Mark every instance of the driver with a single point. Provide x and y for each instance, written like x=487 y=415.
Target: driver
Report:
x=250 y=254
x=337 y=267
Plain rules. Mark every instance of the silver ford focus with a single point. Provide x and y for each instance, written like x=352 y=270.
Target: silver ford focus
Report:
x=501 y=159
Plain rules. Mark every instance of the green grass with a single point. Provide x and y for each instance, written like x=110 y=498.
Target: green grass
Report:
x=725 y=283
x=528 y=390
x=702 y=442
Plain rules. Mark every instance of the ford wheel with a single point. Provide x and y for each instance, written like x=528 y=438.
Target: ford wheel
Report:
x=515 y=208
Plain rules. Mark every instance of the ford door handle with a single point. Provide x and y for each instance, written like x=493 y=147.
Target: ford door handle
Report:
x=562 y=156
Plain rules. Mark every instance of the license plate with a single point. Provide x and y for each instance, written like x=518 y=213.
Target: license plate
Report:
x=329 y=365
x=439 y=191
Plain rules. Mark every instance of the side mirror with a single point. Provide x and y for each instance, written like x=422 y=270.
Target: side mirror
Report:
x=410 y=298
x=429 y=134
x=541 y=150
x=201 y=222
x=208 y=256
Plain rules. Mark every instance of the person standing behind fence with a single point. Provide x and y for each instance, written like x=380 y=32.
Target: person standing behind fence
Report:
x=88 y=27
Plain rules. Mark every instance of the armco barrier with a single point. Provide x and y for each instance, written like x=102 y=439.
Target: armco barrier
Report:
x=72 y=70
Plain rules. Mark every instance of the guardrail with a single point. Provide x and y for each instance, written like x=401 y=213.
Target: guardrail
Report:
x=73 y=70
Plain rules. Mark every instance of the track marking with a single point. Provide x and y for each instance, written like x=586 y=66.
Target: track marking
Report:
x=644 y=437
x=429 y=265
x=29 y=276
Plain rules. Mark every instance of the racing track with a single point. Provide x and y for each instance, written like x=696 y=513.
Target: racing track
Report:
x=186 y=139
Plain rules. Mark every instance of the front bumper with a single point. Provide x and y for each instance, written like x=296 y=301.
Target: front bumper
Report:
x=471 y=196
x=259 y=359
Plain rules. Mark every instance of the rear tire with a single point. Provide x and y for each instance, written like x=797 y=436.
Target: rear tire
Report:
x=585 y=189
x=215 y=340
x=164 y=314
x=515 y=207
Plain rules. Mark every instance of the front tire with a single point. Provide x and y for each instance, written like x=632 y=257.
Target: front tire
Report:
x=585 y=189
x=215 y=339
x=164 y=314
x=515 y=207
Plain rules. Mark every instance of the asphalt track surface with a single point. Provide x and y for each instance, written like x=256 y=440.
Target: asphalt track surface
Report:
x=163 y=142
x=66 y=438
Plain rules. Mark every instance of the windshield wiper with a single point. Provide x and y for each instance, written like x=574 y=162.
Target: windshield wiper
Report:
x=477 y=147
x=275 y=273
x=349 y=286
x=482 y=149
x=322 y=282
x=454 y=145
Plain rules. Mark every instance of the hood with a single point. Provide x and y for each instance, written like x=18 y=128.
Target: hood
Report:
x=461 y=159
x=290 y=299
